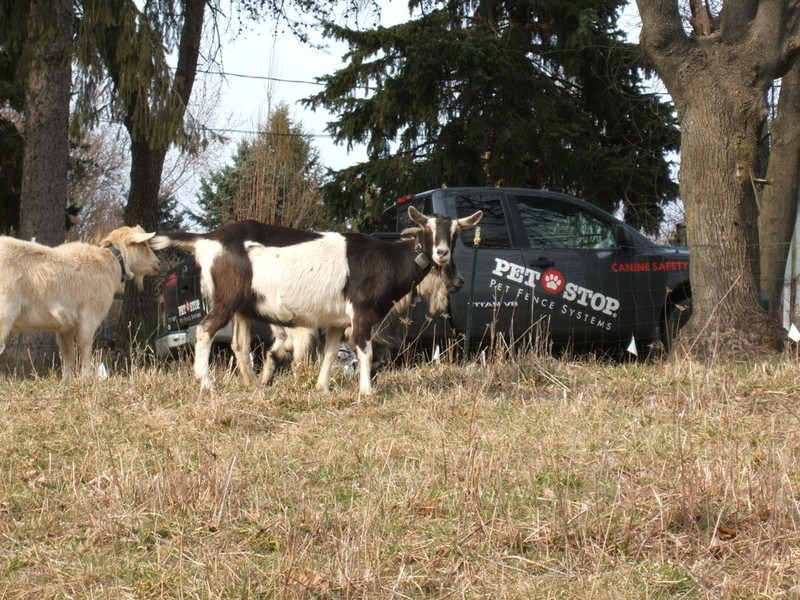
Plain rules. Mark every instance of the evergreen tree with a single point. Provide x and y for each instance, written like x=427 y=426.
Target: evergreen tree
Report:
x=545 y=94
x=215 y=198
x=274 y=178
x=169 y=214
x=36 y=40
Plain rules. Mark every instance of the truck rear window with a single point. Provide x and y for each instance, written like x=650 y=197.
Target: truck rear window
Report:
x=422 y=204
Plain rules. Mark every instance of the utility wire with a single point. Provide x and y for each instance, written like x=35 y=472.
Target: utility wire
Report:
x=269 y=133
x=261 y=77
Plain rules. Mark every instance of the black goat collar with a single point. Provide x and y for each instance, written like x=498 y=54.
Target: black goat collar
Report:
x=118 y=255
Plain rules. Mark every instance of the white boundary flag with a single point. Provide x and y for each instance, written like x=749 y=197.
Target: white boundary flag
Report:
x=632 y=347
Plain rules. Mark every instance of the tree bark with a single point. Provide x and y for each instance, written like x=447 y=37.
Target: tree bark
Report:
x=779 y=199
x=139 y=313
x=45 y=155
x=718 y=83
x=717 y=156
x=45 y=160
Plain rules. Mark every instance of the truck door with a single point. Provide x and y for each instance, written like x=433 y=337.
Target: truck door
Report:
x=499 y=305
x=577 y=293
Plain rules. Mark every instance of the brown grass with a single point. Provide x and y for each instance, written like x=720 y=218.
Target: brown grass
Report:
x=531 y=478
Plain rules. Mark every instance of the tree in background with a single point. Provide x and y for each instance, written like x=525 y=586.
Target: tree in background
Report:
x=215 y=198
x=98 y=181
x=275 y=178
x=718 y=71
x=544 y=94
x=36 y=38
x=779 y=199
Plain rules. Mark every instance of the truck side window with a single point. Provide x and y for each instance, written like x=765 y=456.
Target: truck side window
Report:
x=550 y=224
x=423 y=205
x=493 y=225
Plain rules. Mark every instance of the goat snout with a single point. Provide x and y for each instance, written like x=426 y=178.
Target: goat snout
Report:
x=441 y=256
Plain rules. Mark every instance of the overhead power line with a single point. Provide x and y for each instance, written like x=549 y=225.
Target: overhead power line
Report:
x=260 y=77
x=270 y=133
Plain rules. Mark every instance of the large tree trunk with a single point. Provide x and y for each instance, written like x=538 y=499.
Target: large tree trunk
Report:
x=148 y=149
x=718 y=151
x=45 y=160
x=718 y=79
x=140 y=309
x=779 y=200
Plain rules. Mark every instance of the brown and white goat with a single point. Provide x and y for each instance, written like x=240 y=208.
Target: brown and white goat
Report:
x=69 y=289
x=307 y=279
x=301 y=343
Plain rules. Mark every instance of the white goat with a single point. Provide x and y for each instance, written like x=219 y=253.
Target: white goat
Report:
x=69 y=289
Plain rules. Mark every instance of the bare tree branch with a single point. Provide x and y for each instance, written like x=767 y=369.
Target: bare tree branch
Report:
x=774 y=34
x=702 y=23
x=662 y=28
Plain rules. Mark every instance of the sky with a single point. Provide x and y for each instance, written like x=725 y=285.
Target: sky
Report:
x=266 y=68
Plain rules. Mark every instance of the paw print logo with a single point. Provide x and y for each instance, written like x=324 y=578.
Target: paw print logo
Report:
x=552 y=281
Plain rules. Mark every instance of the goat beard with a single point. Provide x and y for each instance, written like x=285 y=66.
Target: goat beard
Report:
x=140 y=282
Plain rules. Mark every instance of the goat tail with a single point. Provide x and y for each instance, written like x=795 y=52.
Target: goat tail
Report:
x=177 y=239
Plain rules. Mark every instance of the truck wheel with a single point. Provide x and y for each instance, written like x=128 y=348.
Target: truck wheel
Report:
x=678 y=314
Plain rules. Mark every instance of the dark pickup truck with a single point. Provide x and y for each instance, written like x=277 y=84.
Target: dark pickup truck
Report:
x=548 y=266
x=540 y=266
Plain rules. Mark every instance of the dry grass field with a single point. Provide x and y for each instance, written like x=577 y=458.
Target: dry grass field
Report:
x=523 y=478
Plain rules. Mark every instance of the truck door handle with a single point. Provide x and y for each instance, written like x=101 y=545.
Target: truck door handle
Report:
x=543 y=262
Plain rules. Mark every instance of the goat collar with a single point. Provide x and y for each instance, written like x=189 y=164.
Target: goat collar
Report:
x=118 y=255
x=421 y=260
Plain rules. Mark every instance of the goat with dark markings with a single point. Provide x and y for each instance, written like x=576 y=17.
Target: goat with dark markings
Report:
x=301 y=343
x=298 y=278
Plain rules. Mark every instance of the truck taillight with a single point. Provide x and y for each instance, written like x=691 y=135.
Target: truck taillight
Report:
x=404 y=199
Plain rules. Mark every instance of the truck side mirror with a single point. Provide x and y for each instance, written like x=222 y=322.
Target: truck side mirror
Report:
x=623 y=235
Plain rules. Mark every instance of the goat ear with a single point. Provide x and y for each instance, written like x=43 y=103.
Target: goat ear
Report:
x=417 y=216
x=470 y=221
x=410 y=231
x=138 y=237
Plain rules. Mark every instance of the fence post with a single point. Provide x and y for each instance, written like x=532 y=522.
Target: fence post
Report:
x=468 y=333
